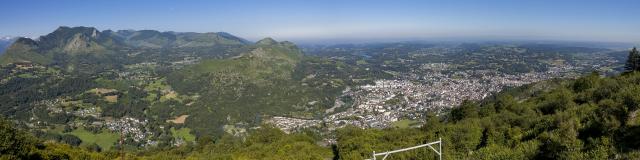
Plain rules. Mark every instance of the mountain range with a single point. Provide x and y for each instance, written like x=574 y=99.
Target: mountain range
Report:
x=70 y=41
x=216 y=79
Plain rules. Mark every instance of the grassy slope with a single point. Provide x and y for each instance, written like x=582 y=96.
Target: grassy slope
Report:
x=104 y=139
x=183 y=133
x=404 y=123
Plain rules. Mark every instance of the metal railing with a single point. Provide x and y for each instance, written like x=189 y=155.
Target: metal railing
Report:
x=386 y=154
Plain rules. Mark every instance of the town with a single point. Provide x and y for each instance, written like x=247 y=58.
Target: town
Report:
x=431 y=88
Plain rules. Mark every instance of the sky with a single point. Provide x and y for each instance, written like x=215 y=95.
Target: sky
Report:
x=339 y=20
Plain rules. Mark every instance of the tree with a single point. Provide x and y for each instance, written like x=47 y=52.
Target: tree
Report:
x=633 y=61
x=71 y=139
x=94 y=147
x=467 y=109
x=14 y=143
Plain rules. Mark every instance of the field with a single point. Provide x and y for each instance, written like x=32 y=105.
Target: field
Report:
x=183 y=133
x=26 y=75
x=104 y=139
x=100 y=91
x=179 y=120
x=112 y=99
x=404 y=123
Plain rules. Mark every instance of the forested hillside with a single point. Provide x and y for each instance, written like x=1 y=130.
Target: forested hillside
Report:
x=592 y=117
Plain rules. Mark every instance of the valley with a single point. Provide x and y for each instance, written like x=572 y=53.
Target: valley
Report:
x=148 y=89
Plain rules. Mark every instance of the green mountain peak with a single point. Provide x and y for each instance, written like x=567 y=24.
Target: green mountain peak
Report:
x=22 y=50
x=267 y=41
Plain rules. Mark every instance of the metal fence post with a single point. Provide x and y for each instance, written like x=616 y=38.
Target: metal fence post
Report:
x=374 y=155
x=440 y=154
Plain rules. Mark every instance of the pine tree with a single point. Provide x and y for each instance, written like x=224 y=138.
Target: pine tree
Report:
x=633 y=61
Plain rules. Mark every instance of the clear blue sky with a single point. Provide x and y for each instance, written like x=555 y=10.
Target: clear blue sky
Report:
x=307 y=20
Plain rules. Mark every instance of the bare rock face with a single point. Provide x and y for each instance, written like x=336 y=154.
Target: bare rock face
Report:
x=95 y=33
x=83 y=43
x=77 y=43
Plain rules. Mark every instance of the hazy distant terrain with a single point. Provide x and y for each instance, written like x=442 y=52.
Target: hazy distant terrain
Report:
x=5 y=43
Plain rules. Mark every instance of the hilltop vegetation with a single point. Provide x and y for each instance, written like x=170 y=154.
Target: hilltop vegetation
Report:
x=19 y=144
x=589 y=118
